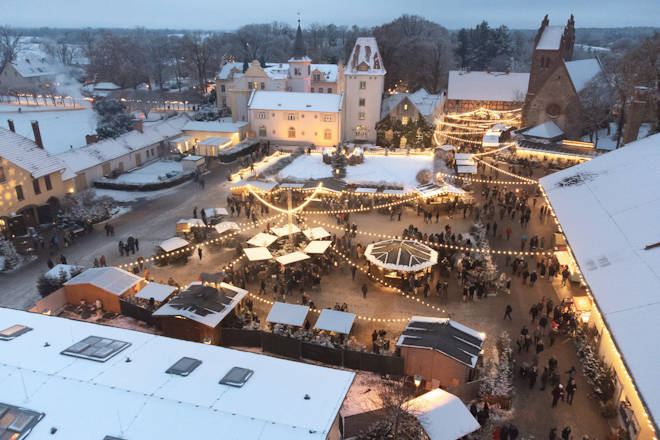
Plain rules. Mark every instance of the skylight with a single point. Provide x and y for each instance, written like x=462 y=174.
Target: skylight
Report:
x=184 y=366
x=96 y=348
x=13 y=332
x=16 y=422
x=237 y=377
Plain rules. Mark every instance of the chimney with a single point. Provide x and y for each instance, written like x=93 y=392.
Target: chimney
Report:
x=137 y=125
x=468 y=69
x=37 y=134
x=11 y=125
x=489 y=69
x=91 y=139
x=636 y=113
x=508 y=70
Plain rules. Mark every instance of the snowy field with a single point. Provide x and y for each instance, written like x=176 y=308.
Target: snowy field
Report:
x=59 y=129
x=152 y=173
x=399 y=170
x=606 y=142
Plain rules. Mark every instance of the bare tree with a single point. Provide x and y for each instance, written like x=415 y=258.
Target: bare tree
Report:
x=595 y=103
x=10 y=45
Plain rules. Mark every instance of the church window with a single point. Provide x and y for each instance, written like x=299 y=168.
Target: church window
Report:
x=262 y=115
x=262 y=131
x=363 y=85
x=291 y=116
x=362 y=102
x=292 y=132
x=327 y=134
x=361 y=116
x=404 y=120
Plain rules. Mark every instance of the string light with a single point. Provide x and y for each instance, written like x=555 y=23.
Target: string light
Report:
x=474 y=179
x=287 y=211
x=527 y=179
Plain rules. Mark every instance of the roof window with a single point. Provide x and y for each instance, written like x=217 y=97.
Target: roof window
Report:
x=17 y=422
x=237 y=377
x=95 y=348
x=184 y=366
x=13 y=332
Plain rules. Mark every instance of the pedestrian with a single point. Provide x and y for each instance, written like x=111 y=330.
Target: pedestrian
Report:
x=533 y=373
x=564 y=276
x=566 y=433
x=553 y=434
x=121 y=248
x=507 y=312
x=195 y=212
x=353 y=271
x=532 y=278
x=544 y=378
x=508 y=232
x=262 y=289
x=96 y=262
x=364 y=290
x=533 y=311
x=50 y=264
x=137 y=244
x=570 y=390
x=557 y=393
x=62 y=259
x=102 y=261
x=539 y=346
x=199 y=252
x=513 y=431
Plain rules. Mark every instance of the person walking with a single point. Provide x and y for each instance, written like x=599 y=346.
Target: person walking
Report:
x=564 y=276
x=566 y=433
x=532 y=278
x=553 y=434
x=364 y=291
x=544 y=378
x=195 y=212
x=262 y=288
x=507 y=312
x=570 y=390
x=353 y=271
x=199 y=252
x=50 y=264
x=102 y=262
x=508 y=232
x=121 y=248
x=137 y=245
x=557 y=393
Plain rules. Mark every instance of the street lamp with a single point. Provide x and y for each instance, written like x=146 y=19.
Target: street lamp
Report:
x=418 y=380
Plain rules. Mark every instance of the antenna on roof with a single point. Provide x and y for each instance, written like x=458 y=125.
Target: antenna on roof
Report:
x=298 y=13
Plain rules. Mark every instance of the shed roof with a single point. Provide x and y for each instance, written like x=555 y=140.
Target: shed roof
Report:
x=335 y=321
x=443 y=415
x=159 y=292
x=110 y=279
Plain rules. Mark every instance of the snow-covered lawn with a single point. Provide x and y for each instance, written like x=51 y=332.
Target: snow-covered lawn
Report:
x=152 y=173
x=399 y=170
x=606 y=142
x=59 y=129
x=132 y=196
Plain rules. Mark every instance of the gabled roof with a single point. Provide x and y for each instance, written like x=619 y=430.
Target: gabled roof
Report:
x=31 y=67
x=214 y=126
x=26 y=154
x=425 y=102
x=110 y=279
x=547 y=130
x=365 y=58
x=583 y=71
x=609 y=208
x=227 y=68
x=295 y=101
x=484 y=86
x=551 y=38
x=443 y=335
x=442 y=415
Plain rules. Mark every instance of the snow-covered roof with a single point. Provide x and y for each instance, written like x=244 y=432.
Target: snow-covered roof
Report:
x=583 y=71
x=317 y=246
x=283 y=231
x=148 y=403
x=289 y=314
x=214 y=126
x=550 y=38
x=159 y=292
x=295 y=101
x=33 y=67
x=58 y=269
x=366 y=190
x=442 y=415
x=172 y=244
x=212 y=212
x=26 y=154
x=609 y=208
x=262 y=240
x=215 y=141
x=257 y=253
x=88 y=156
x=110 y=279
x=365 y=58
x=484 y=86
x=448 y=337
x=106 y=86
x=227 y=68
x=223 y=227
x=329 y=72
x=316 y=233
x=293 y=257
x=204 y=304
x=425 y=102
x=547 y=130
x=259 y=184
x=181 y=139
x=466 y=169
x=335 y=321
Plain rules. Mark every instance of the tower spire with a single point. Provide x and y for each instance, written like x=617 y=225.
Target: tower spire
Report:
x=299 y=50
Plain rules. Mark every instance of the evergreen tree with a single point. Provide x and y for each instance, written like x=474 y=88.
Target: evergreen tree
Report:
x=113 y=119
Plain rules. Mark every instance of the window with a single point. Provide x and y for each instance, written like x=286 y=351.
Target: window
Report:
x=222 y=88
x=18 y=422
x=361 y=102
x=317 y=77
x=2 y=174
x=3 y=225
x=404 y=120
x=292 y=132
x=13 y=332
x=312 y=89
x=296 y=71
x=262 y=115
x=405 y=106
x=361 y=116
x=327 y=134
x=363 y=85
x=152 y=152
x=147 y=154
x=262 y=131
x=36 y=187
x=263 y=86
x=329 y=90
x=249 y=85
x=327 y=118
x=95 y=348
x=553 y=110
x=106 y=169
x=19 y=192
x=361 y=131
x=184 y=366
x=49 y=184
x=224 y=101
x=291 y=116
x=237 y=376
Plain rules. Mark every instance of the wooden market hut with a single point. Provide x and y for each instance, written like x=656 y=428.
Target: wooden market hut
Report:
x=104 y=284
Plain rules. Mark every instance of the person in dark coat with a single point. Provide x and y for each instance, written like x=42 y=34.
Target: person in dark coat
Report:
x=199 y=252
x=50 y=263
x=364 y=291
x=507 y=312
x=513 y=432
x=566 y=433
x=557 y=394
x=62 y=259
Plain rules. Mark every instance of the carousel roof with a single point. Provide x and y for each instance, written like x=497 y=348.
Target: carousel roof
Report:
x=403 y=255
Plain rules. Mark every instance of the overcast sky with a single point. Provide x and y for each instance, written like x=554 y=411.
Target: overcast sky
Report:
x=230 y=14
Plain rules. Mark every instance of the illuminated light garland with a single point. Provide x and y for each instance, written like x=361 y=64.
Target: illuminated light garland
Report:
x=287 y=211
x=367 y=208
x=504 y=147
x=442 y=245
x=474 y=179
x=527 y=179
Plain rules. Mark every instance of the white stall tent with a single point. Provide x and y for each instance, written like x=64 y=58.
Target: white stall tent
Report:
x=213 y=212
x=172 y=244
x=442 y=415
x=335 y=321
x=159 y=292
x=262 y=240
x=289 y=314
x=293 y=257
x=223 y=227
x=257 y=253
x=317 y=246
x=284 y=230
x=316 y=233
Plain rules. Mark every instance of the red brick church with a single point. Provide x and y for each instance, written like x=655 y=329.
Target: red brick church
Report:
x=555 y=80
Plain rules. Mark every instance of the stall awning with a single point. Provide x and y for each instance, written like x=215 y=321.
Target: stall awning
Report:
x=289 y=314
x=226 y=226
x=335 y=321
x=159 y=292
x=257 y=254
x=395 y=191
x=262 y=240
x=293 y=257
x=366 y=190
x=466 y=169
x=173 y=244
x=316 y=233
x=462 y=156
x=284 y=230
x=317 y=246
x=212 y=212
x=447 y=147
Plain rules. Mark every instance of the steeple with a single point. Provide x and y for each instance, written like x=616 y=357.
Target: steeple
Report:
x=299 y=50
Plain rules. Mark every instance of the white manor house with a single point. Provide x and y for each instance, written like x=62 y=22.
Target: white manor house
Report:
x=303 y=103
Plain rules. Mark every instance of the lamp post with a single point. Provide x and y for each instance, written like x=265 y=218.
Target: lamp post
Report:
x=418 y=381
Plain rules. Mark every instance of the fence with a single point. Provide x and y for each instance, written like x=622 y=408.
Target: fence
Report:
x=296 y=349
x=137 y=312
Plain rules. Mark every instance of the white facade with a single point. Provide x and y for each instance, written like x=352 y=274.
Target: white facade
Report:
x=296 y=118
x=299 y=75
x=364 y=79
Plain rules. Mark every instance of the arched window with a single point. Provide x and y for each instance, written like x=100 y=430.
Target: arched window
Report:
x=292 y=132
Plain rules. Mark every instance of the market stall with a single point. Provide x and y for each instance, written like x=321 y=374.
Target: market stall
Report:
x=174 y=249
x=317 y=246
x=214 y=215
x=262 y=240
x=287 y=314
x=257 y=254
x=293 y=257
x=335 y=321
x=400 y=260
x=317 y=233
x=284 y=230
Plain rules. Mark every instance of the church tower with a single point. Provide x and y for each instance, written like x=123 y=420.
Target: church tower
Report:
x=364 y=82
x=299 y=78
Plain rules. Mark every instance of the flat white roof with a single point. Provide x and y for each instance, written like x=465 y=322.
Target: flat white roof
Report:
x=467 y=169
x=173 y=243
x=316 y=233
x=443 y=415
x=284 y=230
x=226 y=226
x=262 y=240
x=293 y=257
x=289 y=314
x=609 y=208
x=110 y=279
x=295 y=101
x=257 y=253
x=138 y=400
x=484 y=86
x=366 y=190
x=317 y=246
x=214 y=126
x=159 y=292
x=335 y=321
x=215 y=141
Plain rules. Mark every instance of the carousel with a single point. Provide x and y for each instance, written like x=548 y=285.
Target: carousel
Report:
x=400 y=260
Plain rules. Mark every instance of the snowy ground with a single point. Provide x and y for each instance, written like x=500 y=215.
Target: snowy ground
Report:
x=400 y=170
x=606 y=142
x=133 y=196
x=152 y=173
x=59 y=129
